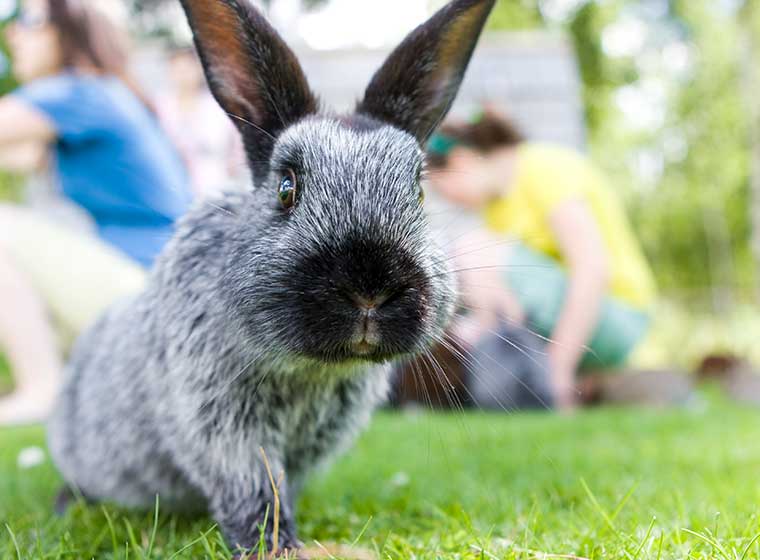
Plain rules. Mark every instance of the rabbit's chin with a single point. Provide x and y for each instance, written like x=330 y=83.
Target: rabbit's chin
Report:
x=352 y=358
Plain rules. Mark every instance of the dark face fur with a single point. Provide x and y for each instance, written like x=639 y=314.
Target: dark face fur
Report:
x=353 y=272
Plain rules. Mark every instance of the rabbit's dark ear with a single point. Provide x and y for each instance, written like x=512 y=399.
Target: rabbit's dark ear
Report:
x=417 y=85
x=253 y=74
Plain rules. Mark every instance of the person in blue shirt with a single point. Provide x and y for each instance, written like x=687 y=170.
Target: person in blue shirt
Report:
x=79 y=115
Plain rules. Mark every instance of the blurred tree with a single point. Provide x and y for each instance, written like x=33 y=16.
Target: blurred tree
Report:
x=602 y=75
x=516 y=14
x=585 y=29
x=685 y=174
x=696 y=220
x=750 y=21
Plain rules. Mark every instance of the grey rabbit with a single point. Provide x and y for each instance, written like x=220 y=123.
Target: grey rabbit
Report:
x=272 y=316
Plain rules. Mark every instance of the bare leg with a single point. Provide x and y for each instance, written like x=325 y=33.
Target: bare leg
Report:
x=28 y=340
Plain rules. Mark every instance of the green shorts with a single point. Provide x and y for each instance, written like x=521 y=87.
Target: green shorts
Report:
x=539 y=283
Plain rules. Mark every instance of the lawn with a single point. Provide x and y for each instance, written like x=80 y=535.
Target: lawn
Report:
x=602 y=484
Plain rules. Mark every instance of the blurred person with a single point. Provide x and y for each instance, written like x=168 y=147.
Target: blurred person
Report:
x=78 y=113
x=204 y=135
x=556 y=254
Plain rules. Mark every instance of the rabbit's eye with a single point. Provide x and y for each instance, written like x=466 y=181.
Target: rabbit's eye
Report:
x=420 y=190
x=287 y=191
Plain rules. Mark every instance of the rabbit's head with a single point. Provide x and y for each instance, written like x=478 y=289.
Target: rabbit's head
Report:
x=340 y=264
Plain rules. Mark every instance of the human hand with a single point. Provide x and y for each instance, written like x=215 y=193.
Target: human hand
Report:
x=565 y=398
x=563 y=384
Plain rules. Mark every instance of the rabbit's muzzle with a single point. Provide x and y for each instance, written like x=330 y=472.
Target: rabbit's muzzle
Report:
x=361 y=300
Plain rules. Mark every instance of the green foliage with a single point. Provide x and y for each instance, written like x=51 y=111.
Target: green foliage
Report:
x=693 y=216
x=515 y=14
x=7 y=82
x=601 y=75
x=584 y=29
x=696 y=222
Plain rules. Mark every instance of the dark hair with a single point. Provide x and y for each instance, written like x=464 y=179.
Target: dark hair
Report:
x=489 y=131
x=88 y=38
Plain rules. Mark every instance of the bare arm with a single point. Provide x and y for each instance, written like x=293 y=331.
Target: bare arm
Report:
x=480 y=258
x=25 y=134
x=23 y=158
x=20 y=123
x=584 y=252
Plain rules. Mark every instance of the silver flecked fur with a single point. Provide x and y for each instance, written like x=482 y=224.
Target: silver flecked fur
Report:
x=245 y=336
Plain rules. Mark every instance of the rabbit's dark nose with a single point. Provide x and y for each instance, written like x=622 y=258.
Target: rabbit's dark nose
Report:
x=366 y=336
x=369 y=304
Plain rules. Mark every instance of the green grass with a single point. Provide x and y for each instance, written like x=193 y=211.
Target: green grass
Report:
x=603 y=484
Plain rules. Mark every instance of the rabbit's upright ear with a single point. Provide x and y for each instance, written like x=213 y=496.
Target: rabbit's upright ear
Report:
x=417 y=85
x=253 y=74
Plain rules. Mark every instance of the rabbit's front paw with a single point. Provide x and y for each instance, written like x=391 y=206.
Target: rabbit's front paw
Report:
x=287 y=553
x=288 y=547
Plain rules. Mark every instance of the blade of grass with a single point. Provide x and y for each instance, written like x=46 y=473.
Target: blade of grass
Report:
x=262 y=534
x=276 y=492
x=324 y=549
x=14 y=541
x=152 y=540
x=709 y=540
x=109 y=521
x=746 y=549
x=623 y=501
x=204 y=535
x=96 y=542
x=597 y=506
x=645 y=539
x=659 y=549
x=131 y=534
x=361 y=533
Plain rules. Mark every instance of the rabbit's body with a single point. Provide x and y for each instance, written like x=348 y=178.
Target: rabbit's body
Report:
x=184 y=385
x=271 y=318
x=192 y=382
x=142 y=446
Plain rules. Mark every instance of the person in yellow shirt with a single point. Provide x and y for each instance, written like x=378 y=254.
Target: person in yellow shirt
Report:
x=573 y=270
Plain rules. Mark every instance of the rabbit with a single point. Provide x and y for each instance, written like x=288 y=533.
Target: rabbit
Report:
x=272 y=317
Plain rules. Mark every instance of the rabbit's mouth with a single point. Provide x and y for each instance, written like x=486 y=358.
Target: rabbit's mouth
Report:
x=350 y=357
x=359 y=300
x=369 y=351
x=366 y=344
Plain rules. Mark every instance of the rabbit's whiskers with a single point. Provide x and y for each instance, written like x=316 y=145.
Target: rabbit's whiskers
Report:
x=251 y=124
